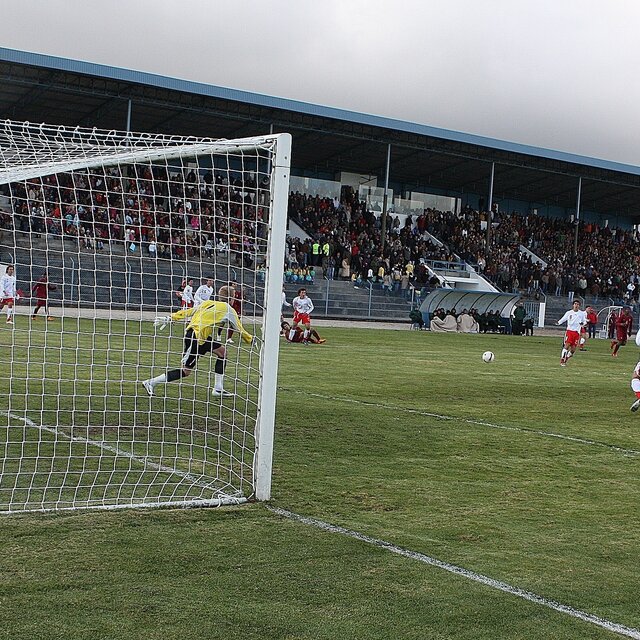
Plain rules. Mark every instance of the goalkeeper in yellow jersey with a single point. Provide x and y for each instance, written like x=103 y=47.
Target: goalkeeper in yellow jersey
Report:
x=199 y=340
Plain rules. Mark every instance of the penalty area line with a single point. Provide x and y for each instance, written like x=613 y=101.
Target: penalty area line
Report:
x=614 y=627
x=481 y=423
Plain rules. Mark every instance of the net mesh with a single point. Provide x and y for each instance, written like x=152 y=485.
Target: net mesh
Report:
x=105 y=231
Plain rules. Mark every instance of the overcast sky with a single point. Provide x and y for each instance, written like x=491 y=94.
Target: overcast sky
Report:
x=559 y=74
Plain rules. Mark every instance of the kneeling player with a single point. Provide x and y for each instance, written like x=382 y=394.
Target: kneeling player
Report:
x=199 y=341
x=297 y=335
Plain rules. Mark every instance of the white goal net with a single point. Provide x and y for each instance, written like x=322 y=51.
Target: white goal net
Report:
x=141 y=281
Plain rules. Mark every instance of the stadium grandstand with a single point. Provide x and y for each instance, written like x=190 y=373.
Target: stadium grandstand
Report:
x=382 y=212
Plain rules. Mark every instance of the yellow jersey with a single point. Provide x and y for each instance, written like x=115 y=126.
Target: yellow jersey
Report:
x=208 y=315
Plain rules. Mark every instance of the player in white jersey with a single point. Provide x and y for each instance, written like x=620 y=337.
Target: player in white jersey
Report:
x=187 y=294
x=635 y=380
x=575 y=319
x=284 y=299
x=284 y=304
x=302 y=308
x=204 y=292
x=8 y=294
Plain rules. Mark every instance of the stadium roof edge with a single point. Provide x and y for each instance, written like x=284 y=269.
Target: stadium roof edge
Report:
x=199 y=88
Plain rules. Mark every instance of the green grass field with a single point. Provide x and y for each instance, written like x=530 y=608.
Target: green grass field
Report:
x=518 y=470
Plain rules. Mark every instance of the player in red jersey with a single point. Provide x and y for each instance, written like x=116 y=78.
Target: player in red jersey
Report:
x=592 y=322
x=624 y=324
x=41 y=290
x=298 y=334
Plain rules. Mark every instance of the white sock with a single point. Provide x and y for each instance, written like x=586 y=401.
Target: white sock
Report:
x=569 y=354
x=9 y=313
x=305 y=335
x=161 y=378
x=292 y=334
x=218 y=386
x=564 y=353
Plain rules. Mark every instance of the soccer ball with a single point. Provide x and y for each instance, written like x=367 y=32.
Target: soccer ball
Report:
x=488 y=356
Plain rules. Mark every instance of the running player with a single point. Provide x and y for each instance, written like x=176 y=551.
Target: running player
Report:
x=186 y=295
x=635 y=380
x=624 y=323
x=204 y=292
x=635 y=386
x=575 y=319
x=198 y=341
x=302 y=308
x=8 y=294
x=41 y=290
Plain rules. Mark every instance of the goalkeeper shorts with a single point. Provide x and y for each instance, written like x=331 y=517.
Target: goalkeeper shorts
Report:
x=193 y=350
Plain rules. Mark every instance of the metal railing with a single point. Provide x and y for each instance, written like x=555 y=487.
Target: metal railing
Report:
x=357 y=300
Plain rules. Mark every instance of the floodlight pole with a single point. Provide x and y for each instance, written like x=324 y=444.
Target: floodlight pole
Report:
x=128 y=115
x=575 y=237
x=383 y=226
x=489 y=212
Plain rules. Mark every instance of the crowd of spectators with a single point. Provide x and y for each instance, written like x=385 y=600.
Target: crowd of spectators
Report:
x=349 y=247
x=163 y=212
x=606 y=264
x=168 y=213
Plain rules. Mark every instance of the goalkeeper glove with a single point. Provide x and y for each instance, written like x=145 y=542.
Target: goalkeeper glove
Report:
x=162 y=322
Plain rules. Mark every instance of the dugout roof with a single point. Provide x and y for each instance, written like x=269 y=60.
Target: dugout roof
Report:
x=42 y=88
x=459 y=299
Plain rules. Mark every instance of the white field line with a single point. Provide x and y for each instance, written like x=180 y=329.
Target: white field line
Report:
x=111 y=449
x=465 y=573
x=482 y=423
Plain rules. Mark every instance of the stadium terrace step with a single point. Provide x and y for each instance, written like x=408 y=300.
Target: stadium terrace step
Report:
x=339 y=298
x=86 y=278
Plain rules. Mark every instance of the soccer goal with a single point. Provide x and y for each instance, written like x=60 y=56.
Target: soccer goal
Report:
x=139 y=334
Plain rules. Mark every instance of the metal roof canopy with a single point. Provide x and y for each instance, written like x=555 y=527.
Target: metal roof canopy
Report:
x=42 y=88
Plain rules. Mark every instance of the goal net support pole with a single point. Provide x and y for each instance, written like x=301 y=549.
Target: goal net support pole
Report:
x=273 y=293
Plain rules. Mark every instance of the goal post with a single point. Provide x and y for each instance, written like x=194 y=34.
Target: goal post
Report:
x=104 y=233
